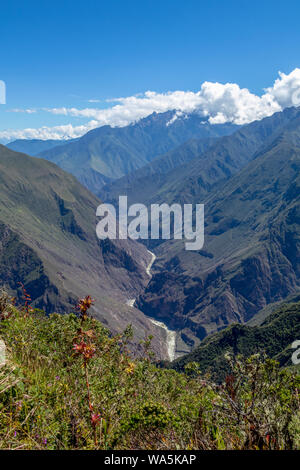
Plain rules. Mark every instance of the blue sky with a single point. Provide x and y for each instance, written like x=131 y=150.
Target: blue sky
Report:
x=64 y=54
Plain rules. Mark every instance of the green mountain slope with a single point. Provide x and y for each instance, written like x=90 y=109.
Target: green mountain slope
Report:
x=48 y=242
x=274 y=338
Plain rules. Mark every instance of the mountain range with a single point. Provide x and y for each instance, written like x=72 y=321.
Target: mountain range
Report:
x=108 y=153
x=251 y=255
x=196 y=168
x=247 y=178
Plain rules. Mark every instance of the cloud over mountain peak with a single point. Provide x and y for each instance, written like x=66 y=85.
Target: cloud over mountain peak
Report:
x=217 y=102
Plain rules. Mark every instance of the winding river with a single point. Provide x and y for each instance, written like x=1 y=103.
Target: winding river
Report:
x=171 y=334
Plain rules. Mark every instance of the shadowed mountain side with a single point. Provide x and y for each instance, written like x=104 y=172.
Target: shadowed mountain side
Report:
x=144 y=183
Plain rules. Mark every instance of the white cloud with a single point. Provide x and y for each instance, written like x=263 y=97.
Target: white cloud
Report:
x=26 y=111
x=218 y=102
x=44 y=133
x=286 y=89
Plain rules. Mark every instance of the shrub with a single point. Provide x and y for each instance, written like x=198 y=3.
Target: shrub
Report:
x=70 y=384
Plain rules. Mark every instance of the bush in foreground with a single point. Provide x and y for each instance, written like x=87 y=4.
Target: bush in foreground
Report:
x=69 y=384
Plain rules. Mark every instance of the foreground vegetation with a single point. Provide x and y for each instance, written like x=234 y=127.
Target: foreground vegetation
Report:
x=69 y=384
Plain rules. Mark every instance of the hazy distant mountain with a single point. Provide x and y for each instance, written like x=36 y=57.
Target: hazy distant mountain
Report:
x=48 y=242
x=109 y=153
x=251 y=255
x=35 y=146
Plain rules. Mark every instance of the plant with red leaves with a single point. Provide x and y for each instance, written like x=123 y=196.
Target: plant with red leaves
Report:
x=84 y=305
x=27 y=300
x=86 y=350
x=83 y=346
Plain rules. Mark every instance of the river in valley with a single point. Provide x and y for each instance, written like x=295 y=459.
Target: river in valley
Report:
x=171 y=334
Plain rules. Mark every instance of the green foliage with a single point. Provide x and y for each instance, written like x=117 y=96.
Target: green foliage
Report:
x=130 y=403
